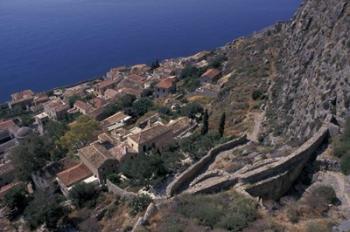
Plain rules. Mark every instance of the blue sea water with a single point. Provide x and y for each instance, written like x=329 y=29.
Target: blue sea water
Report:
x=49 y=43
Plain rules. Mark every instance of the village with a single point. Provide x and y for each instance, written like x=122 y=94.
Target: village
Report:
x=100 y=128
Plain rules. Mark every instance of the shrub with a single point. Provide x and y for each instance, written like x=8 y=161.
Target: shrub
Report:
x=83 y=193
x=345 y=164
x=229 y=210
x=256 y=95
x=341 y=148
x=191 y=109
x=314 y=226
x=16 y=200
x=139 y=204
x=293 y=214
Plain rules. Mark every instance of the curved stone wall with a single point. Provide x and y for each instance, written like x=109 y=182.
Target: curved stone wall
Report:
x=187 y=176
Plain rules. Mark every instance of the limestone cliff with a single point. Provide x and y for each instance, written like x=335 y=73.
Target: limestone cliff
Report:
x=313 y=69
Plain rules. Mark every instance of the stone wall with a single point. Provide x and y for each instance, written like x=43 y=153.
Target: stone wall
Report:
x=119 y=191
x=187 y=176
x=274 y=180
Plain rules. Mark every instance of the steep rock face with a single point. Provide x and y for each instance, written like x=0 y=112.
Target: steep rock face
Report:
x=313 y=70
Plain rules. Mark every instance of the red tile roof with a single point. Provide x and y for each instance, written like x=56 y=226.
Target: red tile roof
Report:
x=25 y=94
x=166 y=83
x=74 y=175
x=211 y=73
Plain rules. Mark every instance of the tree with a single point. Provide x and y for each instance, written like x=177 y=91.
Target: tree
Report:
x=205 y=126
x=80 y=133
x=83 y=193
x=222 y=124
x=31 y=155
x=16 y=200
x=44 y=209
x=155 y=64
x=141 y=106
x=191 y=109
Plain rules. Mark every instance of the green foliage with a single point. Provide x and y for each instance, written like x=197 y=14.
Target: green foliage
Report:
x=191 y=109
x=122 y=103
x=190 y=84
x=256 y=95
x=139 y=204
x=55 y=129
x=198 y=145
x=31 y=155
x=44 y=209
x=141 y=106
x=228 y=210
x=293 y=214
x=205 y=126
x=79 y=134
x=83 y=194
x=217 y=61
x=341 y=148
x=73 y=99
x=222 y=124
x=325 y=194
x=16 y=200
x=155 y=64
x=190 y=71
x=114 y=178
x=144 y=169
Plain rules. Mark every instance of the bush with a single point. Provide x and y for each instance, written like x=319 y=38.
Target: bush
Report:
x=139 y=204
x=191 y=109
x=84 y=194
x=341 y=148
x=44 y=209
x=293 y=214
x=228 y=210
x=345 y=164
x=16 y=200
x=256 y=95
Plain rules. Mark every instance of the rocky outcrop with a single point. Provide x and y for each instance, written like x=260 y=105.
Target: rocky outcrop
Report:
x=313 y=70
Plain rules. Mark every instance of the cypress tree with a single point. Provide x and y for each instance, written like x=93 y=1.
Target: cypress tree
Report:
x=205 y=123
x=222 y=124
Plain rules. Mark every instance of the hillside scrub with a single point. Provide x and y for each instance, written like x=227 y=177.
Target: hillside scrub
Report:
x=341 y=148
x=228 y=210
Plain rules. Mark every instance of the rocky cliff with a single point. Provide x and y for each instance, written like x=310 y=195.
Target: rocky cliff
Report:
x=313 y=70
x=302 y=67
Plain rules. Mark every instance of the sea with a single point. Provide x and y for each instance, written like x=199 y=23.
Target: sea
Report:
x=50 y=43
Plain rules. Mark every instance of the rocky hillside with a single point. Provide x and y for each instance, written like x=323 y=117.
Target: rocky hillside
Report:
x=313 y=69
x=302 y=67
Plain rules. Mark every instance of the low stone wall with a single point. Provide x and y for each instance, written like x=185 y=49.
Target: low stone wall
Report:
x=272 y=181
x=187 y=176
x=119 y=191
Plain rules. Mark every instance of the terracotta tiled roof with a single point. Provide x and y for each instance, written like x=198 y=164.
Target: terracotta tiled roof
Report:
x=166 y=83
x=110 y=93
x=211 y=73
x=136 y=78
x=57 y=105
x=5 y=189
x=83 y=106
x=95 y=154
x=131 y=91
x=9 y=125
x=74 y=175
x=25 y=94
x=106 y=83
x=150 y=134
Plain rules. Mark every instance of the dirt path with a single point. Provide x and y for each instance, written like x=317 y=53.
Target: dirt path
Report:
x=258 y=120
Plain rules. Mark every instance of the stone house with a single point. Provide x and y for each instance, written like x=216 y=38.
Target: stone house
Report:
x=56 y=109
x=99 y=160
x=165 y=87
x=210 y=76
x=83 y=107
x=155 y=137
x=115 y=121
x=23 y=99
x=102 y=86
x=68 y=178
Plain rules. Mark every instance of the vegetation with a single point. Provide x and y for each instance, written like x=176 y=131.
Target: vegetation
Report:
x=198 y=145
x=121 y=104
x=341 y=146
x=205 y=126
x=222 y=124
x=227 y=210
x=80 y=133
x=44 y=209
x=217 y=61
x=31 y=155
x=191 y=110
x=139 y=204
x=83 y=195
x=16 y=200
